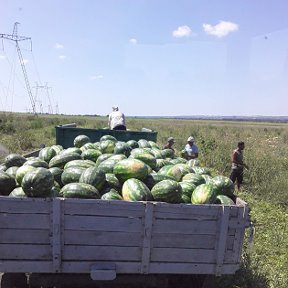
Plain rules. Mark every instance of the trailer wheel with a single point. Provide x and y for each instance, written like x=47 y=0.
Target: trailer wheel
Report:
x=14 y=280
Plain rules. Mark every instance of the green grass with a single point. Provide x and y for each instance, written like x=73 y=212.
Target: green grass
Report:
x=265 y=187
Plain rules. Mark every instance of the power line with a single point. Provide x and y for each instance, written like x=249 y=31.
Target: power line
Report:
x=16 y=38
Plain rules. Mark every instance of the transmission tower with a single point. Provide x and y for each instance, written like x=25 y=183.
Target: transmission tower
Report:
x=14 y=37
x=37 y=99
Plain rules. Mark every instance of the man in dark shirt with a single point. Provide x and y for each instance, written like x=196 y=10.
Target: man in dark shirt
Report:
x=169 y=144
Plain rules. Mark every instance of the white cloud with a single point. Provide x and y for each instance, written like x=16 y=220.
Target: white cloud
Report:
x=182 y=31
x=133 y=41
x=96 y=77
x=223 y=28
x=59 y=46
x=62 y=57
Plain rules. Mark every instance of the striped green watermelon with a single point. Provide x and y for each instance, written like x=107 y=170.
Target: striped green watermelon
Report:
x=122 y=148
x=21 y=171
x=14 y=160
x=71 y=150
x=87 y=146
x=135 y=190
x=168 y=153
x=108 y=137
x=193 y=162
x=46 y=154
x=94 y=177
x=194 y=178
x=143 y=143
x=224 y=200
x=167 y=191
x=38 y=182
x=223 y=185
x=147 y=158
x=103 y=157
x=57 y=172
x=133 y=144
x=60 y=160
x=187 y=190
x=57 y=148
x=80 y=140
x=80 y=190
x=154 y=178
x=130 y=168
x=112 y=194
x=79 y=163
x=107 y=165
x=12 y=171
x=201 y=170
x=72 y=175
x=91 y=154
x=203 y=194
x=18 y=192
x=107 y=146
x=36 y=162
x=7 y=183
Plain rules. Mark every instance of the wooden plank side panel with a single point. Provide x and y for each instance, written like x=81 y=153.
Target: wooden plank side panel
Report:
x=25 y=205
x=166 y=210
x=24 y=221
x=104 y=208
x=192 y=241
x=102 y=238
x=26 y=266
x=25 y=252
x=128 y=224
x=25 y=236
x=177 y=255
x=185 y=226
x=101 y=253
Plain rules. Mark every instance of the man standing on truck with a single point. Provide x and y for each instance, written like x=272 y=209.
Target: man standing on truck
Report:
x=238 y=165
x=116 y=119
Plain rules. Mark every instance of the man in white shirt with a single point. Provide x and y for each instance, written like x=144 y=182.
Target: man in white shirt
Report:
x=191 y=149
x=116 y=119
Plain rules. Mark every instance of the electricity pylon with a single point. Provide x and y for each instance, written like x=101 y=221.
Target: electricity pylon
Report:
x=14 y=37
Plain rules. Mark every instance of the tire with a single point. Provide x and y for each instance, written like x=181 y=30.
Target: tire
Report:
x=14 y=280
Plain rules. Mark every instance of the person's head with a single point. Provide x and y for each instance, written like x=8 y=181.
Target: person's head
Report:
x=190 y=140
x=171 y=140
x=115 y=108
x=241 y=145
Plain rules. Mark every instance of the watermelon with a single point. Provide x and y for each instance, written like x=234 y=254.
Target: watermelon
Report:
x=118 y=157
x=7 y=183
x=80 y=140
x=36 y=162
x=87 y=146
x=79 y=163
x=38 y=182
x=143 y=143
x=122 y=148
x=107 y=165
x=153 y=144
x=203 y=194
x=133 y=144
x=60 y=160
x=194 y=178
x=178 y=160
x=167 y=153
x=3 y=167
x=156 y=153
x=201 y=170
x=130 y=168
x=46 y=154
x=102 y=158
x=135 y=190
x=111 y=181
x=154 y=178
x=223 y=185
x=207 y=178
x=167 y=191
x=164 y=169
x=193 y=162
x=187 y=190
x=17 y=192
x=178 y=171
x=107 y=146
x=57 y=148
x=108 y=137
x=71 y=175
x=71 y=150
x=21 y=171
x=94 y=177
x=79 y=190
x=111 y=195
x=12 y=171
x=14 y=160
x=224 y=200
x=146 y=157
x=91 y=154
x=56 y=172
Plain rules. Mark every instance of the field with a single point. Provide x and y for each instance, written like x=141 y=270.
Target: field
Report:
x=265 y=262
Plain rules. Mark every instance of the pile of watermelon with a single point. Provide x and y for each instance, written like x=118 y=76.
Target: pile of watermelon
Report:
x=113 y=170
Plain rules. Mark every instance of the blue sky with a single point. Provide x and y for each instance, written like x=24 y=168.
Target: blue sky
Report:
x=149 y=57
